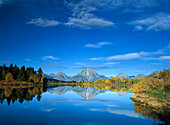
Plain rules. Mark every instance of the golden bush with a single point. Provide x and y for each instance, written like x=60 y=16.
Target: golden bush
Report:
x=9 y=77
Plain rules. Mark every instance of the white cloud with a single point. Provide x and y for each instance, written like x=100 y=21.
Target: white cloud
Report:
x=98 y=45
x=87 y=20
x=112 y=63
x=28 y=60
x=50 y=57
x=99 y=58
x=158 y=52
x=137 y=28
x=129 y=56
x=136 y=56
x=79 y=63
x=158 y=22
x=164 y=58
x=43 y=22
x=83 y=17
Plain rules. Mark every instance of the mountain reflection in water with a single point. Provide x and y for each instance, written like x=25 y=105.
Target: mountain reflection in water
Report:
x=106 y=96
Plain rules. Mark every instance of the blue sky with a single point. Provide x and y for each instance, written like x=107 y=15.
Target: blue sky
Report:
x=110 y=36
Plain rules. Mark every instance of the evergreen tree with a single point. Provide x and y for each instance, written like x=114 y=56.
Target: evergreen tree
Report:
x=15 y=72
x=21 y=74
x=4 y=68
x=3 y=74
x=29 y=72
x=11 y=69
x=40 y=73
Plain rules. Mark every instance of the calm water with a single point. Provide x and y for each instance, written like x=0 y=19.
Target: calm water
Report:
x=68 y=105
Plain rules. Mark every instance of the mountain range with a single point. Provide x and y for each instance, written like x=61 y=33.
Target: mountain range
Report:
x=90 y=75
x=87 y=75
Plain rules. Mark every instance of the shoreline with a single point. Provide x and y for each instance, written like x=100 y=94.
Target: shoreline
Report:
x=155 y=103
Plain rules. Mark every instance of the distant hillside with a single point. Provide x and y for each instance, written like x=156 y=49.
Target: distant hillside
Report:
x=90 y=75
x=122 y=76
x=87 y=75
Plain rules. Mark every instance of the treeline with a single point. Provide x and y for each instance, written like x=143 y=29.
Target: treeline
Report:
x=14 y=73
x=114 y=80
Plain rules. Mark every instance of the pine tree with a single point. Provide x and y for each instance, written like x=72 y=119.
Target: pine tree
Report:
x=3 y=74
x=15 y=72
x=29 y=72
x=40 y=73
x=21 y=74
x=11 y=69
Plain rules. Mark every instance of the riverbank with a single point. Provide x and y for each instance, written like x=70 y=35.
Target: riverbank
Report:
x=17 y=83
x=153 y=102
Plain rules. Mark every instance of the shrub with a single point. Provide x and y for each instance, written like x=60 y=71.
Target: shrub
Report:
x=34 y=78
x=9 y=77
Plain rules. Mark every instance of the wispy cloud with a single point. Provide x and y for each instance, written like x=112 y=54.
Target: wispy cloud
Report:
x=164 y=58
x=79 y=67
x=28 y=60
x=83 y=17
x=43 y=22
x=129 y=56
x=158 y=64
x=49 y=57
x=99 y=58
x=5 y=62
x=112 y=63
x=98 y=45
x=137 y=56
x=79 y=63
x=138 y=28
x=158 y=22
x=88 y=21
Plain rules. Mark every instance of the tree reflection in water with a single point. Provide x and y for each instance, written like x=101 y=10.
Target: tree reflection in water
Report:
x=160 y=114
x=12 y=94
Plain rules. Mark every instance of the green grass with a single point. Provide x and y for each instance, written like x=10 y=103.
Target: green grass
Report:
x=159 y=93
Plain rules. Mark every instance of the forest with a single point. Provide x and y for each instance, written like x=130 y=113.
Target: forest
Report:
x=14 y=73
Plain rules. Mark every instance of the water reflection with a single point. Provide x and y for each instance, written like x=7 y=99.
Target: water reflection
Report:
x=21 y=94
x=105 y=95
x=160 y=114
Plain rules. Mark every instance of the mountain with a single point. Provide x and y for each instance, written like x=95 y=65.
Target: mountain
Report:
x=60 y=76
x=155 y=72
x=90 y=74
x=141 y=76
x=78 y=77
x=87 y=75
x=122 y=76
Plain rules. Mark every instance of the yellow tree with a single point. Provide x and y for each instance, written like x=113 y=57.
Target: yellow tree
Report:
x=108 y=81
x=9 y=77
